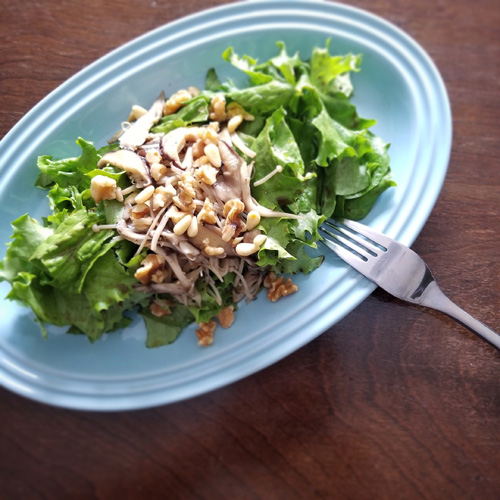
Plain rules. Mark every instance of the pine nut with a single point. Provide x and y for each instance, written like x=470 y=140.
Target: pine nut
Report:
x=259 y=240
x=213 y=155
x=246 y=249
x=234 y=123
x=193 y=227
x=145 y=194
x=253 y=219
x=182 y=226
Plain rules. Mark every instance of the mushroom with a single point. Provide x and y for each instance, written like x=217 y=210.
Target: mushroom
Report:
x=131 y=163
x=173 y=142
x=228 y=184
x=137 y=133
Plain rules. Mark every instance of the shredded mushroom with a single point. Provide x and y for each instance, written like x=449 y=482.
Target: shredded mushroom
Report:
x=190 y=204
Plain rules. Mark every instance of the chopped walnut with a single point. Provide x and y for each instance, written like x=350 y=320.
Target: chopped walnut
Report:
x=208 y=135
x=102 y=188
x=218 y=108
x=158 y=171
x=162 y=196
x=206 y=174
x=205 y=333
x=226 y=316
x=186 y=193
x=160 y=308
x=233 y=224
x=278 y=287
x=152 y=269
x=139 y=211
x=153 y=157
x=207 y=213
x=174 y=102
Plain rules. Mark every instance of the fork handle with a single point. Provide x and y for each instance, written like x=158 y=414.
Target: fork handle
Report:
x=435 y=298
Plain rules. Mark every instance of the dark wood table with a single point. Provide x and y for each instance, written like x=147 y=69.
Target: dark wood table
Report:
x=393 y=402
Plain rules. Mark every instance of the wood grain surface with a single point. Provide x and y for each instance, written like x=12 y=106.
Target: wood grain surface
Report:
x=393 y=402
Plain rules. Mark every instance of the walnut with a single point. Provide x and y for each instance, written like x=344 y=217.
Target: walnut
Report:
x=207 y=213
x=218 y=108
x=174 y=102
x=102 y=188
x=277 y=287
x=160 y=308
x=186 y=193
x=153 y=157
x=162 y=196
x=158 y=171
x=206 y=174
x=233 y=224
x=140 y=210
x=152 y=269
x=226 y=316
x=205 y=333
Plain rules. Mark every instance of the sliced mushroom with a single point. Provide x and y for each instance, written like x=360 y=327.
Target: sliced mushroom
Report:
x=229 y=156
x=131 y=163
x=137 y=133
x=228 y=184
x=174 y=141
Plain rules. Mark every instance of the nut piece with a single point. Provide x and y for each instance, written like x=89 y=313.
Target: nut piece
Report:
x=246 y=249
x=207 y=213
x=183 y=225
x=234 y=123
x=160 y=308
x=277 y=287
x=226 y=316
x=233 y=224
x=102 y=188
x=218 y=108
x=205 y=333
x=152 y=269
x=145 y=194
x=213 y=155
x=253 y=220
x=174 y=102
x=206 y=174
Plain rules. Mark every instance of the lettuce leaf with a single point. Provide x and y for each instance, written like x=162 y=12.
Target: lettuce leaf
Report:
x=315 y=157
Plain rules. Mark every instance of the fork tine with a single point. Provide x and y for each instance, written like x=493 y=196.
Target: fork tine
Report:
x=355 y=260
x=379 y=239
x=354 y=238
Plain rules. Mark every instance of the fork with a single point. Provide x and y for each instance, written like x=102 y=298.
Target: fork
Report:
x=397 y=269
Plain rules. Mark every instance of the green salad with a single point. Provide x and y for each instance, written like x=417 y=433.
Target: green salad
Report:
x=199 y=202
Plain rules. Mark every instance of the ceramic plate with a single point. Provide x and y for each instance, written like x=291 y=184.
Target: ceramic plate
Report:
x=398 y=85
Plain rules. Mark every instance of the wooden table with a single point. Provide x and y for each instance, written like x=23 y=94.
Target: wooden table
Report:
x=393 y=402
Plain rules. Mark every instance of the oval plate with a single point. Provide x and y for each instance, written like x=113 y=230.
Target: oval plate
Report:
x=398 y=85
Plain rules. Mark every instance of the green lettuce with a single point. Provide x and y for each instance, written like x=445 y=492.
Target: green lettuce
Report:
x=315 y=157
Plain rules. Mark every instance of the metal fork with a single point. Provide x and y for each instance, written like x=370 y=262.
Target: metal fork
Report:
x=397 y=269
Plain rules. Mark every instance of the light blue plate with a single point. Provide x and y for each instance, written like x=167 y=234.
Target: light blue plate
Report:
x=398 y=85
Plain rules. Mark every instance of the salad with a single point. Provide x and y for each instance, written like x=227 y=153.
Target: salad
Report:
x=199 y=202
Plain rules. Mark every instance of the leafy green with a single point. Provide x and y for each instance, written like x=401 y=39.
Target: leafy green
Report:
x=193 y=111
x=315 y=157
